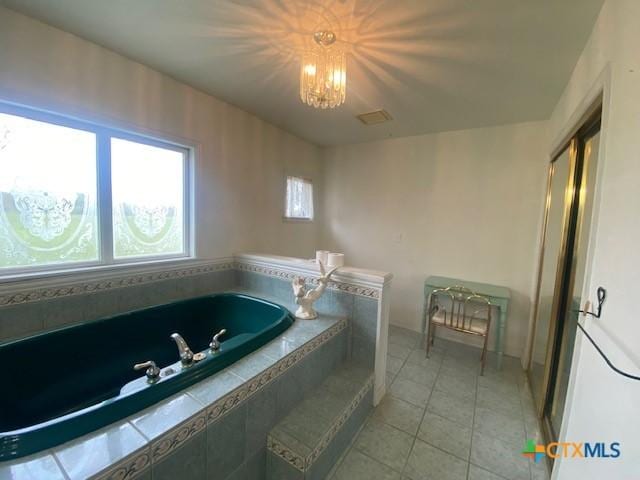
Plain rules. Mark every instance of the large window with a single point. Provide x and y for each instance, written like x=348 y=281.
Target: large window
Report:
x=75 y=194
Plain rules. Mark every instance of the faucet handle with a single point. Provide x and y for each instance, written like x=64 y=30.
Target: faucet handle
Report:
x=215 y=343
x=152 y=372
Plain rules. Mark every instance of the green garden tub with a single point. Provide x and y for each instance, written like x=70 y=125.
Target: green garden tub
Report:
x=65 y=383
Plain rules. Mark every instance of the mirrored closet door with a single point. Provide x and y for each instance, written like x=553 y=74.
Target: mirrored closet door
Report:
x=568 y=212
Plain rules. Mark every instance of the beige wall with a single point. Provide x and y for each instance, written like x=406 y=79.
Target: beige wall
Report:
x=386 y=199
x=602 y=406
x=464 y=204
x=241 y=161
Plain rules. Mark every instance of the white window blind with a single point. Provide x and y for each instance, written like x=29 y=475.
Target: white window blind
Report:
x=299 y=201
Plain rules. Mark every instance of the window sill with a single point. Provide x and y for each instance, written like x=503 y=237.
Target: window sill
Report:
x=297 y=220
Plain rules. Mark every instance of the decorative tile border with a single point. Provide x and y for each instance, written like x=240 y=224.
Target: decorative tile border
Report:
x=173 y=439
x=33 y=294
x=129 y=469
x=282 y=451
x=288 y=275
x=28 y=295
x=176 y=437
x=304 y=463
x=56 y=286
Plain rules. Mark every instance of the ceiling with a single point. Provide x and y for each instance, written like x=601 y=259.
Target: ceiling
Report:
x=434 y=65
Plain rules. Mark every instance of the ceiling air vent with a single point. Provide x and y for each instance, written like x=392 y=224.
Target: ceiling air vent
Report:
x=371 y=118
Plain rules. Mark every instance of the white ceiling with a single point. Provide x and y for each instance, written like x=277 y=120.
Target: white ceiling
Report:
x=434 y=65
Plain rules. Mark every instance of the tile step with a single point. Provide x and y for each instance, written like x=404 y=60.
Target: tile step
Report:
x=301 y=438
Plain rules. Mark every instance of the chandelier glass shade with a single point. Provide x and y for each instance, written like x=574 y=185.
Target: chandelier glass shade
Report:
x=323 y=73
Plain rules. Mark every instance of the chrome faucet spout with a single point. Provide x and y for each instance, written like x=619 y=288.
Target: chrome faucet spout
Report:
x=186 y=355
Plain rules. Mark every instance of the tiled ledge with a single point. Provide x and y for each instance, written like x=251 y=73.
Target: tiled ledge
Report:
x=370 y=284
x=125 y=449
x=357 y=281
x=37 y=287
x=69 y=283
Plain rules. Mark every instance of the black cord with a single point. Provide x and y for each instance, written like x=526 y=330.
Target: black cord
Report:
x=613 y=367
x=602 y=294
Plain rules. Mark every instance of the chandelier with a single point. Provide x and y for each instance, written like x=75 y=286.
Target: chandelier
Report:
x=323 y=72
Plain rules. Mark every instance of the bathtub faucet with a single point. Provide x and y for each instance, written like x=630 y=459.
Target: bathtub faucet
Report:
x=152 y=371
x=186 y=355
x=215 y=343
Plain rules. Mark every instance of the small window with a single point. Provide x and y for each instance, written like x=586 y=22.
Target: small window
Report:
x=74 y=194
x=299 y=201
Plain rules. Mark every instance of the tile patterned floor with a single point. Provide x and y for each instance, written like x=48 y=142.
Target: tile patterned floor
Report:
x=441 y=420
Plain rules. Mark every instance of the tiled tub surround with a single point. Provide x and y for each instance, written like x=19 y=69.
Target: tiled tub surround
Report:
x=124 y=451
x=214 y=429
x=28 y=307
x=33 y=306
x=360 y=295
